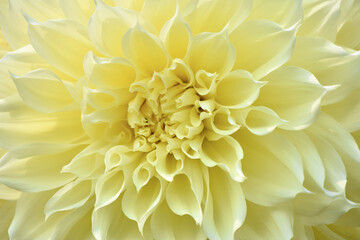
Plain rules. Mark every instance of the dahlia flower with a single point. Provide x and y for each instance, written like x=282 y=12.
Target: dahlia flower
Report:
x=188 y=119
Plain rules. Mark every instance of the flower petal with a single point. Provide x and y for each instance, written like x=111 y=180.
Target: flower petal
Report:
x=266 y=223
x=73 y=195
x=330 y=64
x=211 y=52
x=78 y=10
x=213 y=16
x=109 y=73
x=144 y=50
x=107 y=27
x=42 y=90
x=294 y=94
x=62 y=43
x=110 y=222
x=139 y=205
x=265 y=157
x=266 y=46
x=158 y=11
x=182 y=200
x=165 y=225
x=237 y=89
x=26 y=170
x=7 y=211
x=221 y=222
x=176 y=36
x=320 y=19
x=226 y=153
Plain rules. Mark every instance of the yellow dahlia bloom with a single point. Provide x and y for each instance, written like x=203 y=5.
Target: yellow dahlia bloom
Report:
x=188 y=119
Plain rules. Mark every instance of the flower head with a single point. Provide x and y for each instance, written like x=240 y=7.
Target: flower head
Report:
x=164 y=119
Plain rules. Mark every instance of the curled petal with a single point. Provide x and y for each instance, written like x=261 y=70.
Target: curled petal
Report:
x=139 y=205
x=257 y=119
x=142 y=175
x=222 y=123
x=237 y=89
x=226 y=153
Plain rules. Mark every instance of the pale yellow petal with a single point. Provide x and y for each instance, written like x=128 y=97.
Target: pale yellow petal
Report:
x=264 y=158
x=109 y=73
x=298 y=96
x=211 y=52
x=158 y=11
x=78 y=10
x=237 y=89
x=62 y=43
x=176 y=36
x=7 y=211
x=166 y=225
x=144 y=50
x=7 y=193
x=266 y=46
x=73 y=195
x=28 y=170
x=221 y=222
x=226 y=153
x=43 y=91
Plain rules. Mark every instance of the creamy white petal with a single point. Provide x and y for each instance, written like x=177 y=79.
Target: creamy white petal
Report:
x=266 y=46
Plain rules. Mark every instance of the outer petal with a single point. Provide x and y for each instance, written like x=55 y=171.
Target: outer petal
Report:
x=16 y=129
x=266 y=223
x=265 y=157
x=62 y=43
x=320 y=18
x=286 y=14
x=7 y=211
x=330 y=64
x=211 y=52
x=78 y=10
x=220 y=222
x=42 y=90
x=158 y=11
x=27 y=167
x=166 y=225
x=213 y=16
x=34 y=227
x=294 y=94
x=262 y=46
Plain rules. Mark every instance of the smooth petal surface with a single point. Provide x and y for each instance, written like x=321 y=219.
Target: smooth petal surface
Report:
x=266 y=46
x=219 y=222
